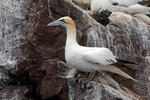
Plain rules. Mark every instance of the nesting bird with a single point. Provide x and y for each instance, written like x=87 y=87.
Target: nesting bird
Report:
x=87 y=59
x=126 y=6
x=130 y=7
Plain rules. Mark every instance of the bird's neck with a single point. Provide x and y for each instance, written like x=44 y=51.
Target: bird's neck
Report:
x=71 y=35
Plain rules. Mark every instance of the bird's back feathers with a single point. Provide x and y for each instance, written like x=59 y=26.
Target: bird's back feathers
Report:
x=101 y=56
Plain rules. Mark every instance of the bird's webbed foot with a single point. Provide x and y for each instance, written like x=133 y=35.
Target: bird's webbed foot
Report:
x=90 y=77
x=80 y=75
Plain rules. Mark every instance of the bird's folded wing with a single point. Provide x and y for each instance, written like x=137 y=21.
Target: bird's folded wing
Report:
x=101 y=56
x=138 y=9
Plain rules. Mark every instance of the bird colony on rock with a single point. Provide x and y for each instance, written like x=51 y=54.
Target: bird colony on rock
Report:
x=92 y=59
x=120 y=9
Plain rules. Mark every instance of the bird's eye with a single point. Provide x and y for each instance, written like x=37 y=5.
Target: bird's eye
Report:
x=62 y=20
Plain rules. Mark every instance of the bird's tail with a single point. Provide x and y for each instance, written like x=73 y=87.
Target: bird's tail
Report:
x=143 y=17
x=114 y=69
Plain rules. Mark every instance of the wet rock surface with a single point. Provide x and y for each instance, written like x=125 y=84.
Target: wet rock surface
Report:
x=34 y=51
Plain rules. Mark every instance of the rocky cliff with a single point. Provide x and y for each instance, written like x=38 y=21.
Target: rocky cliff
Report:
x=32 y=54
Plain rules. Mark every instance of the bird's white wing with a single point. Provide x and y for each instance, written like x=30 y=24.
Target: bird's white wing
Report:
x=134 y=9
x=101 y=56
x=139 y=8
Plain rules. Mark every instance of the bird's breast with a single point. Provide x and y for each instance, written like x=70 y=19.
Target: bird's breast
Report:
x=74 y=58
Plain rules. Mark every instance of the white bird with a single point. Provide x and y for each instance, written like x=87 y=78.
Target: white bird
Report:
x=127 y=6
x=120 y=18
x=87 y=59
x=137 y=9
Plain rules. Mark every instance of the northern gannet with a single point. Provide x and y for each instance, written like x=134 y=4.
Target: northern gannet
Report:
x=126 y=6
x=123 y=18
x=87 y=59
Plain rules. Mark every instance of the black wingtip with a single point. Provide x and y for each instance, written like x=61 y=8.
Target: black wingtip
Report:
x=126 y=62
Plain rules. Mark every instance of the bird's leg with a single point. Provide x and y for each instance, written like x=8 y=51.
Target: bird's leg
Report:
x=80 y=75
x=89 y=78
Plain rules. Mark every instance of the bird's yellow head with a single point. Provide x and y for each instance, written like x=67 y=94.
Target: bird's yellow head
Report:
x=64 y=21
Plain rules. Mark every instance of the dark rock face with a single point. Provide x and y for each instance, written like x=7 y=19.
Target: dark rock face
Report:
x=14 y=93
x=145 y=2
x=53 y=85
x=39 y=45
x=32 y=44
x=37 y=49
x=12 y=19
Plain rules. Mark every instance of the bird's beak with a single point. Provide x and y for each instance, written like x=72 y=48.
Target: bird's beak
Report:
x=55 y=23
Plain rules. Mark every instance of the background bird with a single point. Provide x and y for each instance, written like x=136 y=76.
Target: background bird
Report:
x=131 y=7
x=87 y=59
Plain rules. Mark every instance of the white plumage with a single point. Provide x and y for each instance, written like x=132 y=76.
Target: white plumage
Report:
x=127 y=6
x=137 y=9
x=87 y=59
x=102 y=56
